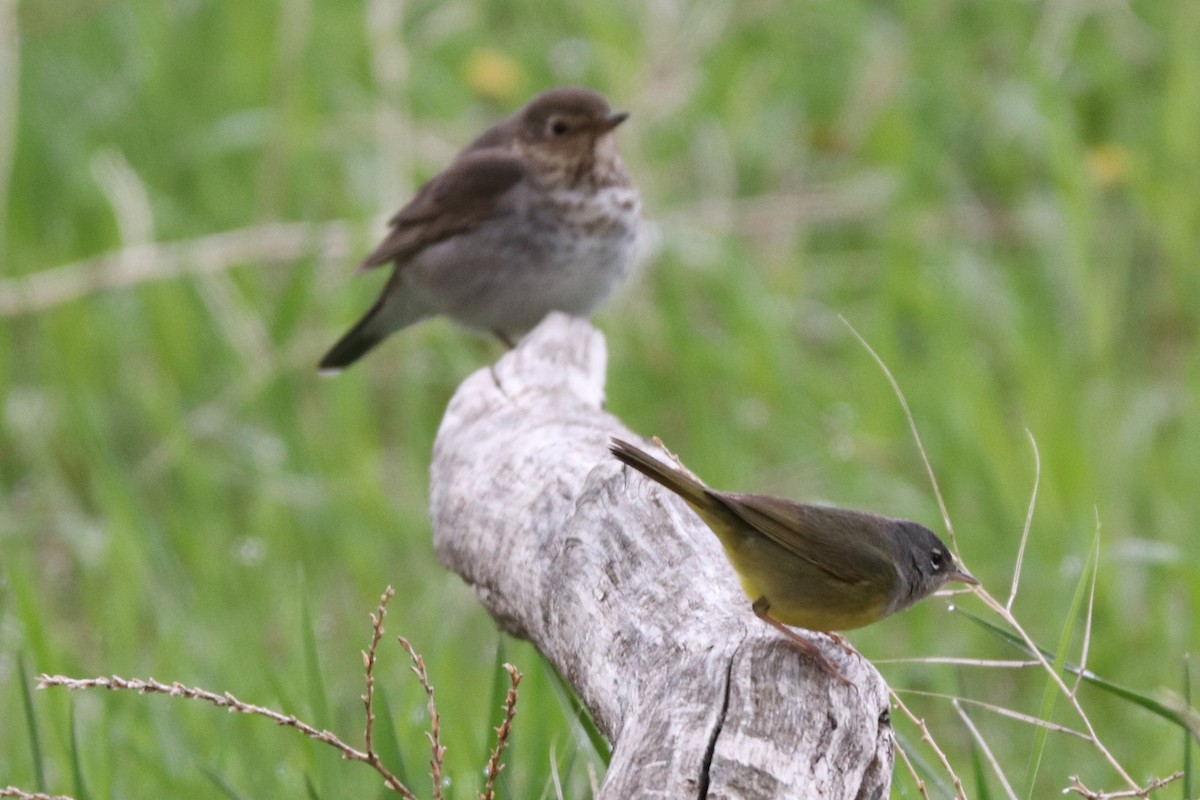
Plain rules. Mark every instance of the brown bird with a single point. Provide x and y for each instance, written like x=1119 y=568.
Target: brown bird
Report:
x=536 y=215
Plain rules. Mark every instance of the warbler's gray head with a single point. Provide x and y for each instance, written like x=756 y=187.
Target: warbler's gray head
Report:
x=923 y=561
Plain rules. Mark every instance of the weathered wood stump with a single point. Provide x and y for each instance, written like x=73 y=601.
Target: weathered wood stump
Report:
x=628 y=594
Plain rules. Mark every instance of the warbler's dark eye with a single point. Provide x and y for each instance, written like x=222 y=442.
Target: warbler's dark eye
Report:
x=935 y=559
x=558 y=127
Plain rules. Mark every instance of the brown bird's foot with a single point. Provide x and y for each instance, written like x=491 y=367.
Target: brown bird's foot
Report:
x=502 y=336
x=761 y=608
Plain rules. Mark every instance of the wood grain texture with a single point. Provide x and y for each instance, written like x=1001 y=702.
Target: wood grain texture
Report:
x=628 y=594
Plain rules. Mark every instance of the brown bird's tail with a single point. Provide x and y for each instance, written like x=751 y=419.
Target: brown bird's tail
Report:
x=395 y=309
x=354 y=345
x=675 y=479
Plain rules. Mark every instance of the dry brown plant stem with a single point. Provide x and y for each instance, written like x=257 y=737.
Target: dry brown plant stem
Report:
x=1054 y=675
x=434 y=734
x=1078 y=788
x=1001 y=710
x=268 y=243
x=369 y=665
x=226 y=701
x=390 y=780
x=1002 y=610
x=987 y=751
x=20 y=794
x=959 y=792
x=912 y=770
x=367 y=756
x=494 y=767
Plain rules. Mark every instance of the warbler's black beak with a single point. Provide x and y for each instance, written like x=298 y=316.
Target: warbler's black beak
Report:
x=962 y=577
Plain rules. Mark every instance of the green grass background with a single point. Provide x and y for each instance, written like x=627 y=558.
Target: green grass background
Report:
x=1003 y=197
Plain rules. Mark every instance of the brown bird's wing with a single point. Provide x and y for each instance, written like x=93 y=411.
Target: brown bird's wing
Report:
x=459 y=199
x=849 y=545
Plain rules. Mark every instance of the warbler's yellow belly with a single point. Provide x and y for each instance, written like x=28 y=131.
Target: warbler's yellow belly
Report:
x=802 y=594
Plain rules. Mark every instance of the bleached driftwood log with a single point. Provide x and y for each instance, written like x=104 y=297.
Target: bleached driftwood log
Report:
x=628 y=594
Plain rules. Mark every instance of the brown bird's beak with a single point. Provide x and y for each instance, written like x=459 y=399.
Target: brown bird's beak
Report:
x=962 y=577
x=612 y=120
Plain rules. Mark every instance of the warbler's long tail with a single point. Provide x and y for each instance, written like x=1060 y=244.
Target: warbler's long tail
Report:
x=678 y=481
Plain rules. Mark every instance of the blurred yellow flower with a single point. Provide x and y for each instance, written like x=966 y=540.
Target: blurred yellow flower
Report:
x=1108 y=164
x=494 y=75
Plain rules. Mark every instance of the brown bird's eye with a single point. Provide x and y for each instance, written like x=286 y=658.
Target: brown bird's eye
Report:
x=558 y=127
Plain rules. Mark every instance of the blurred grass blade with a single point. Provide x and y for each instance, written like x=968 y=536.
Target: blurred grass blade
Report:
x=387 y=743
x=219 y=781
x=562 y=764
x=1186 y=783
x=35 y=740
x=499 y=690
x=979 y=770
x=979 y=767
x=281 y=690
x=1050 y=695
x=81 y=790
x=1186 y=718
x=318 y=699
x=310 y=788
x=931 y=777
x=566 y=695
x=1137 y=698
